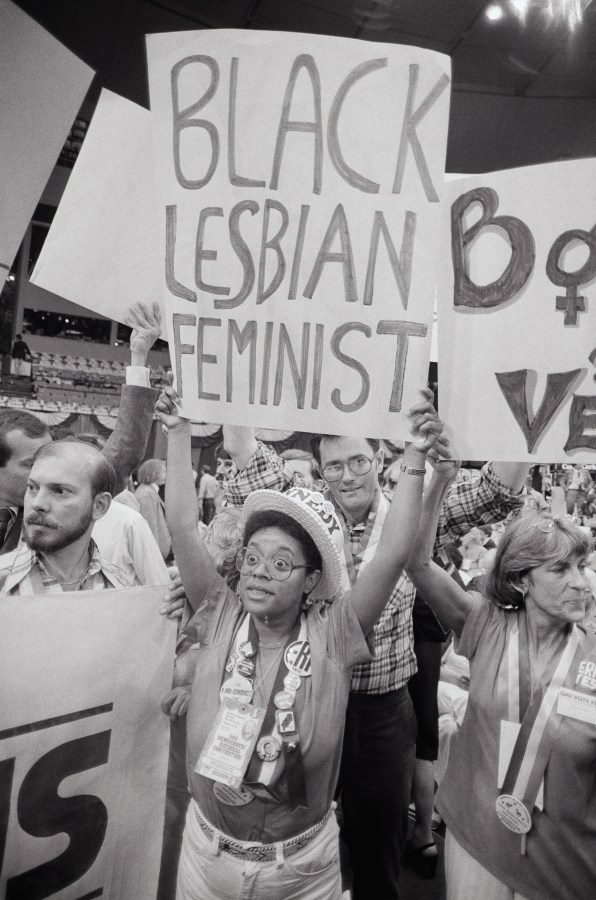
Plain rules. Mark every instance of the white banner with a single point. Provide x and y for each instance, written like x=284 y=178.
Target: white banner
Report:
x=42 y=86
x=517 y=315
x=299 y=180
x=83 y=743
x=101 y=251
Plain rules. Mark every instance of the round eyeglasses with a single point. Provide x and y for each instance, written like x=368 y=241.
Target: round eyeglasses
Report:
x=278 y=567
x=359 y=465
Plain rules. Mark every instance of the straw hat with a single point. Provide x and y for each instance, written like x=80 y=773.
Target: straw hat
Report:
x=318 y=518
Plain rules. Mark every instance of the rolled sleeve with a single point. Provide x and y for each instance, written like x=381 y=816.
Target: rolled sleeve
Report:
x=346 y=642
x=265 y=469
x=482 y=612
x=481 y=502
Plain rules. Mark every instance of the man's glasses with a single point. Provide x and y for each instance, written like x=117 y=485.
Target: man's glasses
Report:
x=278 y=567
x=360 y=465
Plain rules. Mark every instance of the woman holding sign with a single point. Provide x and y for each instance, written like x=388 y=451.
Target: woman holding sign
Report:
x=266 y=715
x=519 y=795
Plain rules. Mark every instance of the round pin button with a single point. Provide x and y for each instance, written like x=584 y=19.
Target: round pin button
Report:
x=292 y=682
x=284 y=700
x=513 y=813
x=232 y=796
x=297 y=658
x=236 y=688
x=268 y=748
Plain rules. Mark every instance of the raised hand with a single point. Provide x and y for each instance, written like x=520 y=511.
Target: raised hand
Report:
x=166 y=408
x=145 y=322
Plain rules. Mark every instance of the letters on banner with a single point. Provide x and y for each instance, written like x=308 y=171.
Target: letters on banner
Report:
x=298 y=180
x=83 y=743
x=517 y=315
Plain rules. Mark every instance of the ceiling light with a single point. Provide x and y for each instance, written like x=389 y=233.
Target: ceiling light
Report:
x=520 y=8
x=569 y=11
x=494 y=13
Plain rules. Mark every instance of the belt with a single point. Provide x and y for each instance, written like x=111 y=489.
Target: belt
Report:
x=261 y=852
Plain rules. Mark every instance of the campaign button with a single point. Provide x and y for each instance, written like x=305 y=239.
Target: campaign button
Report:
x=247 y=649
x=292 y=682
x=236 y=688
x=297 y=658
x=232 y=796
x=245 y=667
x=232 y=661
x=513 y=813
x=284 y=700
x=285 y=720
x=268 y=748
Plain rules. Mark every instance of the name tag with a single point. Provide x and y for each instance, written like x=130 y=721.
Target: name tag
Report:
x=230 y=743
x=577 y=705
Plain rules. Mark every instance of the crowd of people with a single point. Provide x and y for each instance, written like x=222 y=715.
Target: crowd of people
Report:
x=314 y=608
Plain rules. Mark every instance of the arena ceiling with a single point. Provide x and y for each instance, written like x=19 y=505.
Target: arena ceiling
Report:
x=539 y=58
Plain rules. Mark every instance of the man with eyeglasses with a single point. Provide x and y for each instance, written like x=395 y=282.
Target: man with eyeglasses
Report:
x=380 y=734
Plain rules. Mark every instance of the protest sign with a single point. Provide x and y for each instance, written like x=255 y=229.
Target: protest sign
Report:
x=517 y=315
x=42 y=86
x=101 y=251
x=83 y=743
x=298 y=180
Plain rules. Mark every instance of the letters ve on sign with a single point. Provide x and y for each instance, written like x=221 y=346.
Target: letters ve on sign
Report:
x=473 y=298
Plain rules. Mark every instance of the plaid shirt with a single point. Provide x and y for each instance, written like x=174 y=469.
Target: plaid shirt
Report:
x=22 y=572
x=479 y=502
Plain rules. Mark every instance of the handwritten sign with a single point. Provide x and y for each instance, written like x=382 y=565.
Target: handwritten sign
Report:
x=517 y=315
x=299 y=180
x=83 y=743
x=42 y=86
x=101 y=251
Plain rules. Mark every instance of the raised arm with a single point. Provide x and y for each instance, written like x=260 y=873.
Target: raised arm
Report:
x=483 y=501
x=241 y=443
x=125 y=448
x=446 y=598
x=255 y=466
x=374 y=586
x=195 y=565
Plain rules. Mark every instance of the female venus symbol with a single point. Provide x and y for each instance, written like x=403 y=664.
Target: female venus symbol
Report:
x=571 y=303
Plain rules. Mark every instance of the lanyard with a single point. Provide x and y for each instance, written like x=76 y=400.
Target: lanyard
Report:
x=539 y=724
x=279 y=731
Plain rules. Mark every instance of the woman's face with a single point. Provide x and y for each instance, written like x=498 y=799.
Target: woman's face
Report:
x=560 y=590
x=262 y=595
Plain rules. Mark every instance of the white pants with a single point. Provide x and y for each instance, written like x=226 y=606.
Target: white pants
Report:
x=311 y=874
x=20 y=367
x=467 y=879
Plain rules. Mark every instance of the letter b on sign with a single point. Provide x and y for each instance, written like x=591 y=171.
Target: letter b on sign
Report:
x=523 y=253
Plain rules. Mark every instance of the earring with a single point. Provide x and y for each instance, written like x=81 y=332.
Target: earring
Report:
x=266 y=620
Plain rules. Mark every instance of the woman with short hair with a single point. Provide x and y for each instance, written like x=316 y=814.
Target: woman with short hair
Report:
x=519 y=794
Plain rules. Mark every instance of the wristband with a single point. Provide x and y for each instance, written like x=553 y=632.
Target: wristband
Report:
x=410 y=471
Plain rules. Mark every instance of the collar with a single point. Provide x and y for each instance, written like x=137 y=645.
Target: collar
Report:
x=26 y=559
x=371 y=515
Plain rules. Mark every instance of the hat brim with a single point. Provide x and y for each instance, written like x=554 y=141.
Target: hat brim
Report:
x=265 y=500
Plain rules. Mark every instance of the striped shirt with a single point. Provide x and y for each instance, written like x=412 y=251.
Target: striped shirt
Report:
x=479 y=502
x=23 y=572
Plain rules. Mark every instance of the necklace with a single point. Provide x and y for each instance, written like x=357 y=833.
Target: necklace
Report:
x=77 y=581
x=266 y=673
x=273 y=646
